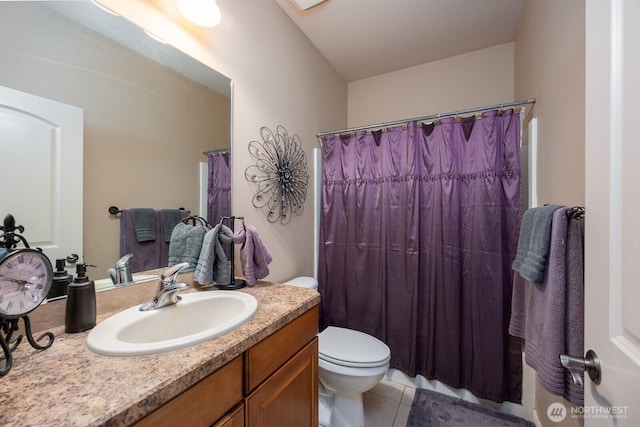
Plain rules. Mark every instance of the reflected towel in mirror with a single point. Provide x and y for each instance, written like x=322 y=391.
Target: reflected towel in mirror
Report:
x=170 y=218
x=144 y=223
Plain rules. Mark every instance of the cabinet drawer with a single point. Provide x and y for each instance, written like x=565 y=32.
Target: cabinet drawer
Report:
x=204 y=403
x=264 y=358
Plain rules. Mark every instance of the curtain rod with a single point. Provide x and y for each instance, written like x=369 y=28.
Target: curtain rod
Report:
x=431 y=117
x=219 y=151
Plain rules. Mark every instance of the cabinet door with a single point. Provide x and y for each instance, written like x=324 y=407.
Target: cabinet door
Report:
x=290 y=396
x=235 y=418
x=264 y=358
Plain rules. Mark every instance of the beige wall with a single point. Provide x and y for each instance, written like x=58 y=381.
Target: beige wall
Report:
x=279 y=77
x=145 y=127
x=483 y=77
x=550 y=66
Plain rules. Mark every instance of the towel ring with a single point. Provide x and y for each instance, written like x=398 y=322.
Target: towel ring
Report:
x=244 y=228
x=203 y=222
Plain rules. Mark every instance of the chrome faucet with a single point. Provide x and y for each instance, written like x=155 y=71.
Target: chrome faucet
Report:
x=121 y=274
x=168 y=288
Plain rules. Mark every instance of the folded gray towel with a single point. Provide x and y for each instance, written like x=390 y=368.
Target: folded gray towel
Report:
x=524 y=238
x=185 y=245
x=213 y=264
x=221 y=273
x=144 y=223
x=534 y=265
x=170 y=218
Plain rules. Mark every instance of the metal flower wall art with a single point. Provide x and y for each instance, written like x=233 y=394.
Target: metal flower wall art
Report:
x=280 y=171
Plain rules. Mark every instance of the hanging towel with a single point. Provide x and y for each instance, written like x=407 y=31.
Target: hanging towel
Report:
x=550 y=315
x=213 y=264
x=146 y=254
x=254 y=256
x=524 y=238
x=144 y=222
x=535 y=263
x=185 y=245
x=164 y=228
x=170 y=218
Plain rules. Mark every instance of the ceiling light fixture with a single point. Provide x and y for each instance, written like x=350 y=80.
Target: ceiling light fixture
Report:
x=204 y=13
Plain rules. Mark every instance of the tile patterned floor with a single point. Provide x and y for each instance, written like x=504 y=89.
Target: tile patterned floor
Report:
x=388 y=404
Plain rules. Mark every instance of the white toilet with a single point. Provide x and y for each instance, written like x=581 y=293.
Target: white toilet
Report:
x=350 y=363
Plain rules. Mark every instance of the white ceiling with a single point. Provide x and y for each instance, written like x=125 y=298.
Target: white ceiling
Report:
x=364 y=38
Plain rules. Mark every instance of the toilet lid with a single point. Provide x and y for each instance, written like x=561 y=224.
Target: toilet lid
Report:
x=347 y=347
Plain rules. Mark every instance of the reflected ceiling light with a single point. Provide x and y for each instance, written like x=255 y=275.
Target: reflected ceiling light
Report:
x=156 y=38
x=204 y=13
x=307 y=4
x=105 y=8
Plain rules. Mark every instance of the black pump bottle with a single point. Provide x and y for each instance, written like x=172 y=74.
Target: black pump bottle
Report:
x=81 y=302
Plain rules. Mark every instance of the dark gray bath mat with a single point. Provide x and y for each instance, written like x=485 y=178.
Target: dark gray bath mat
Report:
x=438 y=410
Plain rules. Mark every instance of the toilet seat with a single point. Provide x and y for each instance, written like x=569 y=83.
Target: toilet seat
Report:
x=346 y=347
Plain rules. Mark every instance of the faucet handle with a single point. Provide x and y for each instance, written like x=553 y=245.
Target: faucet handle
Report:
x=124 y=261
x=170 y=274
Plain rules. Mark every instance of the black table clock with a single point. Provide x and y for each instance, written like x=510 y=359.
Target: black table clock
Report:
x=25 y=279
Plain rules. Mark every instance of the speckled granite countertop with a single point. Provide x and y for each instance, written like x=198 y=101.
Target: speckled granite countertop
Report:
x=68 y=385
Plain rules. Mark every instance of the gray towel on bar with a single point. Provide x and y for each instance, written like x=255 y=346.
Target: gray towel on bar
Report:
x=144 y=224
x=170 y=218
x=550 y=315
x=185 y=245
x=535 y=263
x=213 y=264
x=524 y=238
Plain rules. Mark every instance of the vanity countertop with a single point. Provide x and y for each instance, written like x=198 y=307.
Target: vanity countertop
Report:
x=68 y=385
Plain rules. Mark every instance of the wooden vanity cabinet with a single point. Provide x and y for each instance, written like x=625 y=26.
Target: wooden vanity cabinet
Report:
x=272 y=384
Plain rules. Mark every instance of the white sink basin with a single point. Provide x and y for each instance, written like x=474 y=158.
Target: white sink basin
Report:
x=198 y=317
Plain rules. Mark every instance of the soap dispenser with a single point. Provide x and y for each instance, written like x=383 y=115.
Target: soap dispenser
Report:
x=81 y=302
x=61 y=280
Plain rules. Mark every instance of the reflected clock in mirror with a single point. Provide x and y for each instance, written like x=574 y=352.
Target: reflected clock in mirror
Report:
x=149 y=111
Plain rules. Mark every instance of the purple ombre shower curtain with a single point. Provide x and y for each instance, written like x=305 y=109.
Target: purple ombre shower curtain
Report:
x=419 y=226
x=219 y=187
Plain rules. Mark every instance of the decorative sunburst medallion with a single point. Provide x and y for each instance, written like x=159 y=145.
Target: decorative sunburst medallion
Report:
x=280 y=172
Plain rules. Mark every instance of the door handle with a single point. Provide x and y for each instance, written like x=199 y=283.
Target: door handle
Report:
x=578 y=365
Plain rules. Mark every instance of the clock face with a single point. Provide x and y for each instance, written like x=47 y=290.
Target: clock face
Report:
x=25 y=280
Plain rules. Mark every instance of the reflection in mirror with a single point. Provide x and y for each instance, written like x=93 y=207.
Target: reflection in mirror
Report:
x=148 y=118
x=218 y=184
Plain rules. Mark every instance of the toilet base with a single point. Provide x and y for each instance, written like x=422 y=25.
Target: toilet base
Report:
x=348 y=410
x=325 y=406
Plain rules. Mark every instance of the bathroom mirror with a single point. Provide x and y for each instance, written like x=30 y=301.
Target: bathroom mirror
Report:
x=150 y=111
